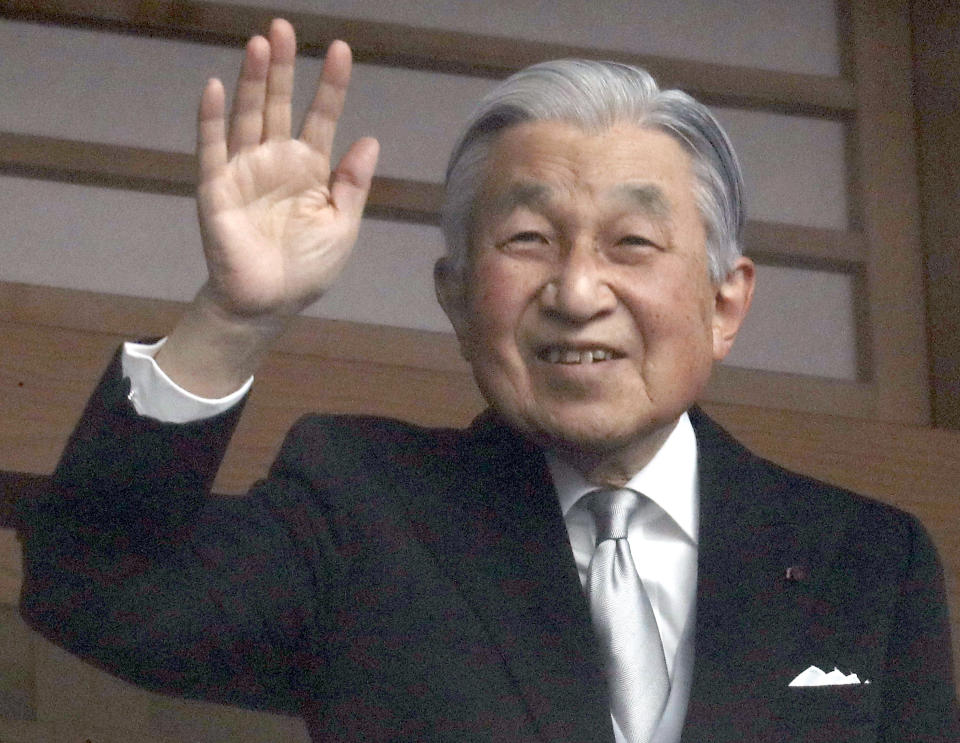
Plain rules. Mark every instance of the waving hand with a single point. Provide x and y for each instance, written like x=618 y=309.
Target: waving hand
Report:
x=277 y=219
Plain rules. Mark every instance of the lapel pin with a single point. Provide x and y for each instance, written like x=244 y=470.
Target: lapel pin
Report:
x=797 y=573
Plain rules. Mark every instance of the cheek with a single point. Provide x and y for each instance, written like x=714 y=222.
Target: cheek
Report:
x=501 y=293
x=674 y=314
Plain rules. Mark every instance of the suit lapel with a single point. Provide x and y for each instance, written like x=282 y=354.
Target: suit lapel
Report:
x=503 y=541
x=750 y=626
x=496 y=531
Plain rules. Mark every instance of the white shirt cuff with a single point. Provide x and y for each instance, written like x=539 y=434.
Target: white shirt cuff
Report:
x=154 y=395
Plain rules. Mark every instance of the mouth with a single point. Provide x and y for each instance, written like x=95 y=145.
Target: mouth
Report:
x=566 y=355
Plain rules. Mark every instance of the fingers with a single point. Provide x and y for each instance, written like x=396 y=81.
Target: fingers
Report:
x=320 y=124
x=246 y=116
x=350 y=183
x=283 y=49
x=211 y=130
x=261 y=107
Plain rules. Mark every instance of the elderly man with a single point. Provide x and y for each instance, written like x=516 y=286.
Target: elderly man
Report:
x=592 y=560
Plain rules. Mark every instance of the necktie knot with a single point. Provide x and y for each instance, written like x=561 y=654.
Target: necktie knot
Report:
x=612 y=509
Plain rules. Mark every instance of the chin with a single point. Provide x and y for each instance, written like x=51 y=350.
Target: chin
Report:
x=601 y=431
x=586 y=432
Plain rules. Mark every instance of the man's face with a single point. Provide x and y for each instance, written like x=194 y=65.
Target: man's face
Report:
x=587 y=311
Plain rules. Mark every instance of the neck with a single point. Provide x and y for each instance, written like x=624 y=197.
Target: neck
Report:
x=614 y=466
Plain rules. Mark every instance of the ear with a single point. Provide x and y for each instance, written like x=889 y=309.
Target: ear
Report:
x=451 y=294
x=731 y=302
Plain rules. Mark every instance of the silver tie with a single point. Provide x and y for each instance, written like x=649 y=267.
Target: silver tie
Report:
x=624 y=619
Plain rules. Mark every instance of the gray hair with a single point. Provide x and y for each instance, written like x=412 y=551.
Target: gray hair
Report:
x=595 y=96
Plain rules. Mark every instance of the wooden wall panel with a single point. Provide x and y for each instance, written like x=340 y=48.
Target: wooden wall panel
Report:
x=52 y=352
x=50 y=356
x=872 y=97
x=54 y=343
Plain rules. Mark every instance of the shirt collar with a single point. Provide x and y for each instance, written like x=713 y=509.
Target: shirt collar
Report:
x=669 y=479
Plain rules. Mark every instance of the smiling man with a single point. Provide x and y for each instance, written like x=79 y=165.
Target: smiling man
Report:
x=587 y=308
x=592 y=560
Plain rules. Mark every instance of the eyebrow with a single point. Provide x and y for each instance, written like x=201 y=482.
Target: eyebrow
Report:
x=645 y=196
x=524 y=193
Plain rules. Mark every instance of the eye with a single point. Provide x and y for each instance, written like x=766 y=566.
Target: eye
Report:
x=636 y=240
x=527 y=236
x=633 y=248
x=527 y=243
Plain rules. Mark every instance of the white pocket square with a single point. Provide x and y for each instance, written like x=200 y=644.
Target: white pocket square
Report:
x=813 y=676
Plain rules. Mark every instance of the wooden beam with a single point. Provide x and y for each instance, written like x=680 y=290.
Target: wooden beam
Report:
x=112 y=318
x=819 y=395
x=936 y=78
x=172 y=173
x=889 y=205
x=140 y=317
x=435 y=50
x=813 y=247
x=114 y=166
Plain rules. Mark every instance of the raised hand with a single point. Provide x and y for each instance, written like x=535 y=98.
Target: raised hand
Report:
x=277 y=222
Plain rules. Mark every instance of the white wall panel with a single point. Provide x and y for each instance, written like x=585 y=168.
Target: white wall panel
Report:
x=389 y=280
x=801 y=322
x=416 y=115
x=105 y=87
x=123 y=242
x=773 y=34
x=142 y=92
x=99 y=239
x=794 y=167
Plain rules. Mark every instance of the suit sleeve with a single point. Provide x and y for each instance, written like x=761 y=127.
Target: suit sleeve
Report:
x=918 y=698
x=129 y=563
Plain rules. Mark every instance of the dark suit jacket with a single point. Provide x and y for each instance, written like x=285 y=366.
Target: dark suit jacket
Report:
x=390 y=582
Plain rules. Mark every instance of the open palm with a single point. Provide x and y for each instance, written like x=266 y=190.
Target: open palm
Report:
x=277 y=222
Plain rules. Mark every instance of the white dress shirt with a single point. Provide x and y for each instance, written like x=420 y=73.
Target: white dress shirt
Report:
x=154 y=395
x=663 y=540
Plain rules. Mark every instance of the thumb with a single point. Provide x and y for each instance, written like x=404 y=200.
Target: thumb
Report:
x=350 y=182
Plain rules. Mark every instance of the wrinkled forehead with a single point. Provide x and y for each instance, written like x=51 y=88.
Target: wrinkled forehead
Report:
x=539 y=196
x=538 y=164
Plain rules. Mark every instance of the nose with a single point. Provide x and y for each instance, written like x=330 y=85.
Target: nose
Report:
x=579 y=290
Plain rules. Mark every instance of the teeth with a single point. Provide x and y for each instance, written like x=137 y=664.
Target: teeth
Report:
x=557 y=355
